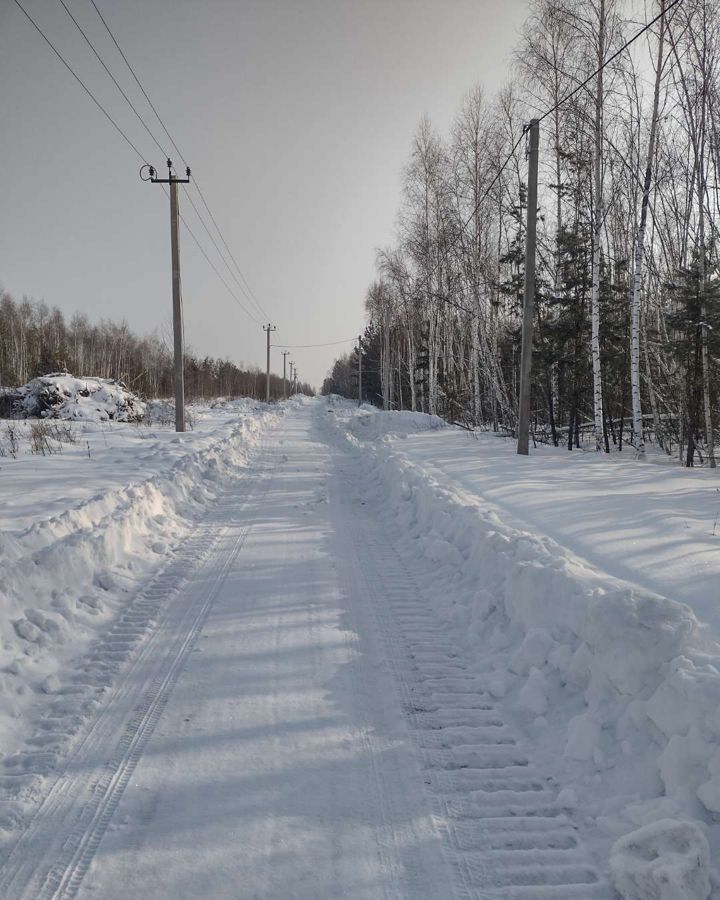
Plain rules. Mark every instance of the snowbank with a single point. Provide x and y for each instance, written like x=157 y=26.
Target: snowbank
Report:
x=617 y=688
x=367 y=423
x=63 y=396
x=66 y=576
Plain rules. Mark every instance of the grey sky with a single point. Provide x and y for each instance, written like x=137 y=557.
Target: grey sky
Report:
x=297 y=117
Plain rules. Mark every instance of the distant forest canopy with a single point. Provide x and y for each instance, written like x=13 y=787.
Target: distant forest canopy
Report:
x=627 y=318
x=35 y=340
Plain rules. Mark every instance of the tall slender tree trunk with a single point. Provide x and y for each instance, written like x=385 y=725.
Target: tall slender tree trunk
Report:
x=701 y=188
x=638 y=430
x=597 y=228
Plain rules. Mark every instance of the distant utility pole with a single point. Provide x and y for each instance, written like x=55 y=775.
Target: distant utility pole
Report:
x=174 y=181
x=295 y=381
x=268 y=328
x=529 y=300
x=360 y=370
x=285 y=354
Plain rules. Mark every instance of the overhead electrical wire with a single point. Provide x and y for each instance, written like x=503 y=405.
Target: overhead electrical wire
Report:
x=607 y=62
x=143 y=123
x=80 y=81
x=214 y=267
x=114 y=80
x=220 y=253
x=560 y=102
x=306 y=346
x=252 y=297
x=464 y=224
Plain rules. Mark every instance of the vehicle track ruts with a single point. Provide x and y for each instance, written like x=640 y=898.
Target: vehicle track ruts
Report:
x=140 y=660
x=507 y=837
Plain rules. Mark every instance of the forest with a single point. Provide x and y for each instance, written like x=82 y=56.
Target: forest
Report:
x=627 y=330
x=36 y=340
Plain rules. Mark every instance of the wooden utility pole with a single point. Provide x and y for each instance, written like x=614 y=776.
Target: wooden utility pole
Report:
x=285 y=354
x=359 y=370
x=529 y=299
x=268 y=328
x=173 y=181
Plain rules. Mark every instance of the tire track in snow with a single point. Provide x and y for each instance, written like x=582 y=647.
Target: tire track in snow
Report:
x=507 y=837
x=50 y=858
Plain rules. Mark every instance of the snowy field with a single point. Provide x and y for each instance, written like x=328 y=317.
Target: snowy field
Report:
x=312 y=651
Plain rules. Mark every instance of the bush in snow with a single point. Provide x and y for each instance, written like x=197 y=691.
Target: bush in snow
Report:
x=63 y=396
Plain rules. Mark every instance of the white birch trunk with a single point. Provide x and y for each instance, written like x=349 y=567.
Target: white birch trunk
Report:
x=638 y=430
x=597 y=228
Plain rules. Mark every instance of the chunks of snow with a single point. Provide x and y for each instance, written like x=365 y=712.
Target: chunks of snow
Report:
x=709 y=792
x=632 y=634
x=533 y=651
x=666 y=860
x=583 y=735
x=533 y=694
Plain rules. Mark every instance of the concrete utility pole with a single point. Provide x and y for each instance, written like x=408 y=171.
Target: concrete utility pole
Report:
x=174 y=181
x=285 y=354
x=386 y=360
x=529 y=300
x=360 y=370
x=268 y=328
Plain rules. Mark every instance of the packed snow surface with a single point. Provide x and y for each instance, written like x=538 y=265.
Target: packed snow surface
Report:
x=315 y=650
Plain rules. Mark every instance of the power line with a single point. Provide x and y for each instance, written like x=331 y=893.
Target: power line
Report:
x=215 y=243
x=232 y=257
x=114 y=80
x=607 y=62
x=128 y=141
x=492 y=184
x=216 y=270
x=80 y=81
x=137 y=80
x=147 y=128
x=570 y=95
x=249 y=292
x=306 y=346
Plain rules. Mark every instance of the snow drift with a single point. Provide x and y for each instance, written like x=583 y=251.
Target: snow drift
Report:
x=618 y=688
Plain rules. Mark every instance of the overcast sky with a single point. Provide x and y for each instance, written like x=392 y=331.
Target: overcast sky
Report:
x=297 y=117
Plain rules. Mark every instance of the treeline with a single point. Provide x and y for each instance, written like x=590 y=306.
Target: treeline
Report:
x=36 y=340
x=627 y=326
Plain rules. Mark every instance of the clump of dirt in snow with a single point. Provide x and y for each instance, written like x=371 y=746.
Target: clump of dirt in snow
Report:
x=60 y=395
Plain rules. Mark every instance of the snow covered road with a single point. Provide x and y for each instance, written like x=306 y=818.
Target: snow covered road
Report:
x=253 y=748
x=318 y=697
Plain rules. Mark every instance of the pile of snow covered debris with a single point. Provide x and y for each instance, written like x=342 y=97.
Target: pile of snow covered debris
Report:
x=63 y=396
x=616 y=688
